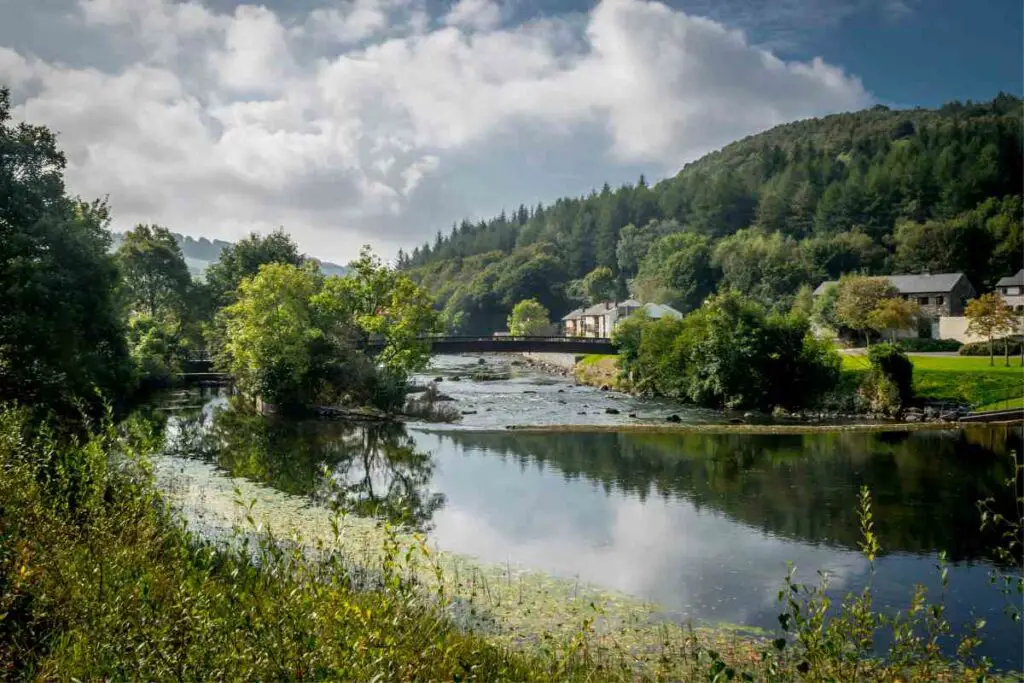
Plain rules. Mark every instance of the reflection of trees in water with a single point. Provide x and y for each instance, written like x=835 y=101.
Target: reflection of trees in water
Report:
x=925 y=484
x=371 y=470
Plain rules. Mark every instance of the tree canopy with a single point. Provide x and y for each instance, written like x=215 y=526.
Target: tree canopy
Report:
x=529 y=318
x=61 y=335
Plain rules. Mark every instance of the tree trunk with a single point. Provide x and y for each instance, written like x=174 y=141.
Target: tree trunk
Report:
x=991 y=352
x=1006 y=350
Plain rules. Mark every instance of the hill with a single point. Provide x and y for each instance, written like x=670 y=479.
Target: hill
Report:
x=875 y=191
x=200 y=253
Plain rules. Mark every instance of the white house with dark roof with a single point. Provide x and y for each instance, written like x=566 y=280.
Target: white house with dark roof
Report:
x=1011 y=288
x=601 y=319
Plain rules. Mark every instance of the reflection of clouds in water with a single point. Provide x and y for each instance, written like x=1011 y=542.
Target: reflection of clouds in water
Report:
x=697 y=562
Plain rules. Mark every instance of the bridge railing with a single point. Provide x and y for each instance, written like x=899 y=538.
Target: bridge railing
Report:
x=596 y=341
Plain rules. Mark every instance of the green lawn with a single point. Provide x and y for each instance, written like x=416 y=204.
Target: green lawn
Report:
x=968 y=379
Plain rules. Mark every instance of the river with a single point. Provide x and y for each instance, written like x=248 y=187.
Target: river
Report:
x=700 y=525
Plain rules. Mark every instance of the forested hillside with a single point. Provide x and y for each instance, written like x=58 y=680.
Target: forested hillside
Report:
x=875 y=191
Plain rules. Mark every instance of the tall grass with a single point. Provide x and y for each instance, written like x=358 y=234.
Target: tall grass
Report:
x=98 y=581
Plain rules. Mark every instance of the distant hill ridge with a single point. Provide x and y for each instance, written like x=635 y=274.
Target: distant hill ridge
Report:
x=200 y=253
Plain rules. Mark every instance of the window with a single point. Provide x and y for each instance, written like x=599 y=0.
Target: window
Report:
x=940 y=300
x=922 y=300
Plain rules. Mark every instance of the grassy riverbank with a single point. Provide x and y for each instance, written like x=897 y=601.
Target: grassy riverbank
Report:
x=957 y=379
x=954 y=379
x=99 y=580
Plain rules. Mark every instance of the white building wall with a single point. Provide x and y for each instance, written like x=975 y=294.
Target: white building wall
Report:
x=955 y=327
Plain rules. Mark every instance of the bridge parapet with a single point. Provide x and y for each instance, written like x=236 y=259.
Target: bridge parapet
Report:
x=440 y=344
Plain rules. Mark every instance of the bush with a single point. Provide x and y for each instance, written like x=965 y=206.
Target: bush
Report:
x=729 y=353
x=889 y=385
x=928 y=345
x=982 y=348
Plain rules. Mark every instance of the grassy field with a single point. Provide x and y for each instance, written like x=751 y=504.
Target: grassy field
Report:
x=967 y=379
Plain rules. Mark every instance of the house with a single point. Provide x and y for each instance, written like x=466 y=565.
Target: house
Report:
x=937 y=294
x=1011 y=288
x=601 y=319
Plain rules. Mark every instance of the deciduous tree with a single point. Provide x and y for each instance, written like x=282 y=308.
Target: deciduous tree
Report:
x=154 y=276
x=600 y=285
x=529 y=318
x=989 y=316
x=893 y=315
x=857 y=297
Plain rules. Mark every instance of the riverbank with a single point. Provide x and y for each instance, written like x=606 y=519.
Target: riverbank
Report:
x=752 y=429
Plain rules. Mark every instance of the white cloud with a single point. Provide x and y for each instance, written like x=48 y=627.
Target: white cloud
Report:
x=359 y=122
x=474 y=14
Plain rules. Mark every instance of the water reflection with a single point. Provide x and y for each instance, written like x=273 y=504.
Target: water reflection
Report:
x=370 y=470
x=800 y=487
x=700 y=524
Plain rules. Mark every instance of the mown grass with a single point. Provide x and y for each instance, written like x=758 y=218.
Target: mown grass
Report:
x=956 y=379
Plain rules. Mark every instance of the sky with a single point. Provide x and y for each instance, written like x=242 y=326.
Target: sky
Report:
x=379 y=122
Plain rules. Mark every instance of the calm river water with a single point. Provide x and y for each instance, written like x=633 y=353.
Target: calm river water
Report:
x=702 y=525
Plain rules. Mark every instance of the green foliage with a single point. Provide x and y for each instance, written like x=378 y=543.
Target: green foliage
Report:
x=894 y=315
x=729 y=353
x=600 y=285
x=857 y=297
x=271 y=333
x=889 y=385
x=928 y=345
x=529 y=318
x=989 y=316
x=293 y=337
x=157 y=347
x=872 y=191
x=381 y=303
x=768 y=267
x=1012 y=346
x=61 y=335
x=98 y=582
x=243 y=259
x=154 y=278
x=677 y=271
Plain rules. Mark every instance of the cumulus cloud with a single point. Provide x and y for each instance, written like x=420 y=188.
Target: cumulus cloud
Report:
x=358 y=121
x=474 y=14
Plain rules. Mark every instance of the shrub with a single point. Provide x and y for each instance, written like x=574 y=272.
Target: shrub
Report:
x=929 y=345
x=982 y=348
x=889 y=385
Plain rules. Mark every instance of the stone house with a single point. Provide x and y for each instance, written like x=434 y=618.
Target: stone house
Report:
x=938 y=294
x=1011 y=288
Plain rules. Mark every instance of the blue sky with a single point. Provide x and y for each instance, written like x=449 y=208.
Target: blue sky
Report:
x=949 y=49
x=378 y=122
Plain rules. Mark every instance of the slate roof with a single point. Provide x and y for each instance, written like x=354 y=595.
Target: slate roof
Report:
x=913 y=284
x=1012 y=280
x=661 y=311
x=923 y=284
x=572 y=315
